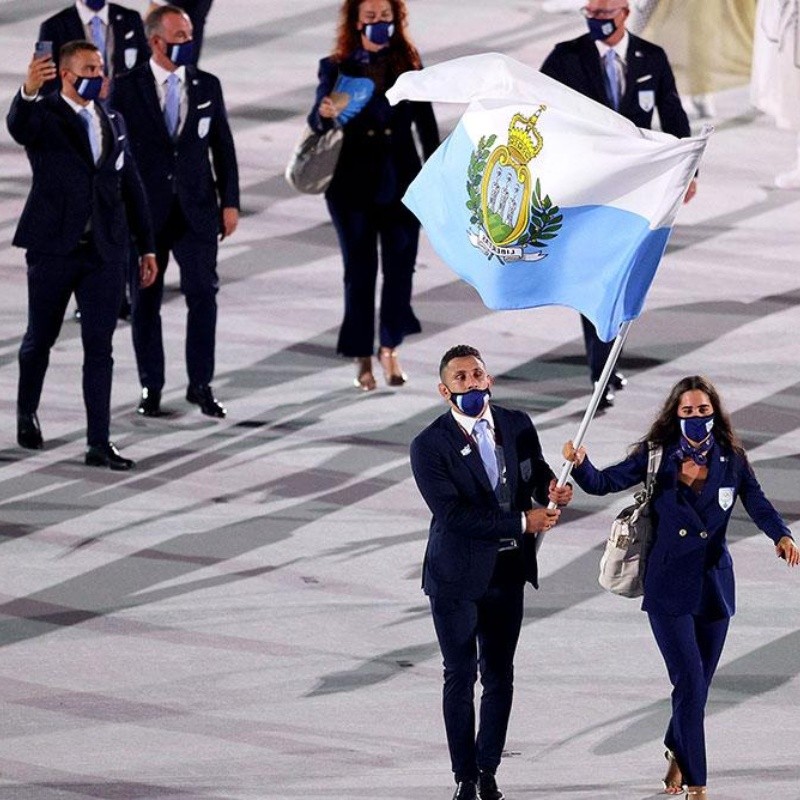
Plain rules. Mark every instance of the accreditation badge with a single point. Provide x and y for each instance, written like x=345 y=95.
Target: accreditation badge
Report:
x=725 y=498
x=203 y=126
x=130 y=57
x=120 y=163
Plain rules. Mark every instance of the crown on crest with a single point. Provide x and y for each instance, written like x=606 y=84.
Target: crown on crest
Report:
x=524 y=141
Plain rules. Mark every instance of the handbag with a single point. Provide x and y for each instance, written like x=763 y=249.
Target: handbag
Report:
x=624 y=559
x=313 y=162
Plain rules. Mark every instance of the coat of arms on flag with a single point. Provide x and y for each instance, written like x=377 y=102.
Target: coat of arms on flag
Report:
x=510 y=218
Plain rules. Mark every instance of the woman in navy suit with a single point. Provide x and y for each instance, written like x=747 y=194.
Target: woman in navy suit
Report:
x=378 y=161
x=689 y=585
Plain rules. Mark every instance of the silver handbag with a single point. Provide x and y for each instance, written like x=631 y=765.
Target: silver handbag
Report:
x=623 y=563
x=313 y=162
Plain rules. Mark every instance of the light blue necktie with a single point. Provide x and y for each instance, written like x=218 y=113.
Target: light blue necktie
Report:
x=88 y=123
x=172 y=104
x=612 y=78
x=99 y=37
x=485 y=442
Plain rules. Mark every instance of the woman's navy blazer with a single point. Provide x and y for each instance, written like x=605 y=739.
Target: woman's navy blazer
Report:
x=689 y=565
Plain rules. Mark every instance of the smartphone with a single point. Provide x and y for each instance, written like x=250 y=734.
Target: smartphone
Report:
x=43 y=49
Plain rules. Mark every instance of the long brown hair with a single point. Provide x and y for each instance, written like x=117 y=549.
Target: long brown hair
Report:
x=666 y=429
x=403 y=55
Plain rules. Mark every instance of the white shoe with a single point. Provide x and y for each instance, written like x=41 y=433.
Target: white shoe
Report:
x=788 y=180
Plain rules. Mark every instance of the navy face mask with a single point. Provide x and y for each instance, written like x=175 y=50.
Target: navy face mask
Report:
x=95 y=5
x=601 y=28
x=472 y=402
x=181 y=54
x=697 y=428
x=88 y=88
x=379 y=32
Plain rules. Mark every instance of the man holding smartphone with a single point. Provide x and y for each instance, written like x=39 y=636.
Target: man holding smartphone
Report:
x=86 y=191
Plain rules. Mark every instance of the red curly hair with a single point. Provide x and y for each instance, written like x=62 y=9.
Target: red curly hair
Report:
x=402 y=53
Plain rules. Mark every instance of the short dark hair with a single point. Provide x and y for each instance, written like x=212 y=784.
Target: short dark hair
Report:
x=459 y=351
x=155 y=18
x=74 y=47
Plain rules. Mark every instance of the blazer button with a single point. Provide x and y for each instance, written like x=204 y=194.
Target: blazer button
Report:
x=682 y=532
x=370 y=133
x=703 y=535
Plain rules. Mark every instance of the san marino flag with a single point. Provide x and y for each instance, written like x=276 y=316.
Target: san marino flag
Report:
x=540 y=196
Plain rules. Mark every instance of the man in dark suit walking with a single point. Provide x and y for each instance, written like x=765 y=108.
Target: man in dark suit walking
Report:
x=612 y=66
x=178 y=127
x=116 y=31
x=479 y=467
x=75 y=229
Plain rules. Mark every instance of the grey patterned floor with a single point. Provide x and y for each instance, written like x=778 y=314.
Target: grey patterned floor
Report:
x=240 y=617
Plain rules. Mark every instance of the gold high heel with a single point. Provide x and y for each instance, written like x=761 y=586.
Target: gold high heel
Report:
x=392 y=372
x=364 y=379
x=673 y=780
x=696 y=793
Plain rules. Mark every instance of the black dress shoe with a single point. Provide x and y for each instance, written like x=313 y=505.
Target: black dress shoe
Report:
x=618 y=381
x=487 y=787
x=466 y=790
x=29 y=434
x=150 y=403
x=606 y=401
x=107 y=455
x=203 y=396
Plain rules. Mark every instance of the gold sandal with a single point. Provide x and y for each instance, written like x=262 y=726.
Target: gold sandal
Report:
x=696 y=793
x=392 y=372
x=673 y=780
x=364 y=379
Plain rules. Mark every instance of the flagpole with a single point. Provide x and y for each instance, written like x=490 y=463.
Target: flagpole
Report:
x=599 y=390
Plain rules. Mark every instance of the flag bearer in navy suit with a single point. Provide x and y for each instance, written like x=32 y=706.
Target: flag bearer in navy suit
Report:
x=633 y=76
x=480 y=469
x=86 y=198
x=183 y=145
x=688 y=586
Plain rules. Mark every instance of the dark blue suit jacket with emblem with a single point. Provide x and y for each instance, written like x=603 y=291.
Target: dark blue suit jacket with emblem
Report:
x=130 y=43
x=649 y=82
x=68 y=189
x=183 y=167
x=689 y=563
x=467 y=519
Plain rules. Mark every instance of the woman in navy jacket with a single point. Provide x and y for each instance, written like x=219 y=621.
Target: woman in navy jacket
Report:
x=688 y=585
x=378 y=161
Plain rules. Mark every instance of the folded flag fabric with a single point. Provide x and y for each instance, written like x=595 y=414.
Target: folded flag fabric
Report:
x=350 y=95
x=540 y=196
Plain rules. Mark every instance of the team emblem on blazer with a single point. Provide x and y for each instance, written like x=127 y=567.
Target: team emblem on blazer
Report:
x=130 y=57
x=510 y=219
x=203 y=127
x=725 y=498
x=647 y=99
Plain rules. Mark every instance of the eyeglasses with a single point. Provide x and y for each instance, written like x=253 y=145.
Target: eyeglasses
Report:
x=608 y=13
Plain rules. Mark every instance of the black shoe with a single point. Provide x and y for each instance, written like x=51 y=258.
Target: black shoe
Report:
x=203 y=396
x=487 y=787
x=150 y=404
x=617 y=381
x=466 y=790
x=107 y=455
x=29 y=434
x=606 y=401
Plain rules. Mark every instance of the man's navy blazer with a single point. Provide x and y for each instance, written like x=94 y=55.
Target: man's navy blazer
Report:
x=68 y=190
x=689 y=555
x=130 y=43
x=182 y=168
x=649 y=82
x=467 y=519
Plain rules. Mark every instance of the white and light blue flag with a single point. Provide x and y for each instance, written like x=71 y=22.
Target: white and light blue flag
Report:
x=541 y=196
